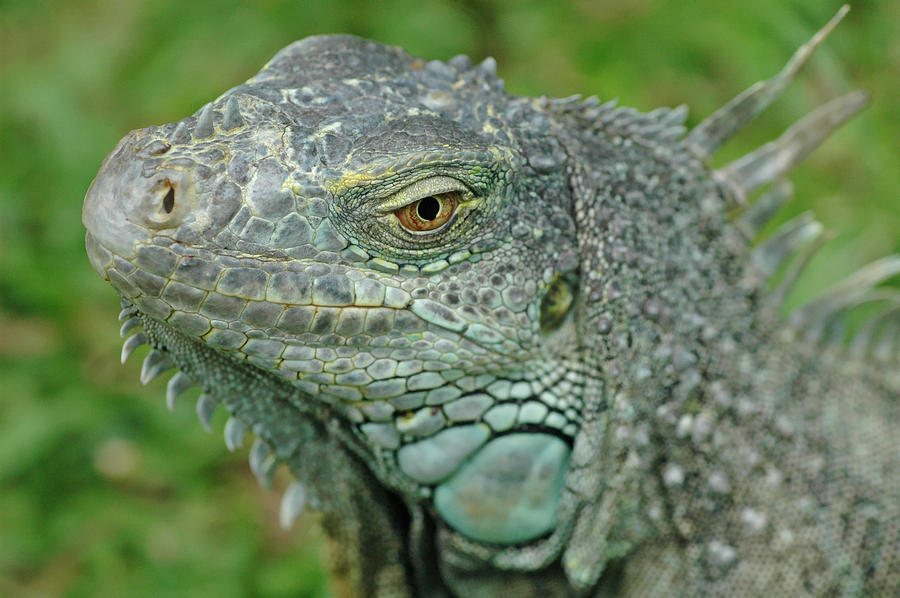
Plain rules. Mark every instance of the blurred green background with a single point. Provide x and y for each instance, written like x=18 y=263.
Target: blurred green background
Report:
x=103 y=492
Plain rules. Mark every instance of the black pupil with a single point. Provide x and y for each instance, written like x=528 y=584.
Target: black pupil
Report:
x=428 y=208
x=169 y=201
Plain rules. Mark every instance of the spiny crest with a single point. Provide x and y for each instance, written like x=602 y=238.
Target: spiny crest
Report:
x=824 y=318
x=486 y=72
x=773 y=160
x=716 y=129
x=797 y=240
x=662 y=124
x=880 y=335
x=263 y=461
x=764 y=165
x=205 y=123
x=460 y=68
x=776 y=158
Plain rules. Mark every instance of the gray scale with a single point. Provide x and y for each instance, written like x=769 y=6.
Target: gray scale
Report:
x=532 y=412
x=468 y=408
x=423 y=422
x=431 y=460
x=502 y=417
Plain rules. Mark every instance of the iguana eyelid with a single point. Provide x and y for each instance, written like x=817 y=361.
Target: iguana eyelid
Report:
x=421 y=189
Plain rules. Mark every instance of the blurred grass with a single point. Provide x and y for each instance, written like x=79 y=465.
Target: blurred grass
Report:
x=105 y=493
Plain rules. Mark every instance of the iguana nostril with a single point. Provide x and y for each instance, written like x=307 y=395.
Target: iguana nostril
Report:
x=169 y=200
x=155 y=206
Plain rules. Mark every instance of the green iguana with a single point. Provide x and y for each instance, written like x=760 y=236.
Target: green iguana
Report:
x=513 y=346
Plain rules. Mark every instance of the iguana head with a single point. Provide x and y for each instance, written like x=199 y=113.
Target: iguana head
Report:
x=510 y=309
x=395 y=238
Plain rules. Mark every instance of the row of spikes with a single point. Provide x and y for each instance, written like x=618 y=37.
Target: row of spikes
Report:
x=262 y=460
x=798 y=240
x=823 y=320
x=765 y=165
x=661 y=124
x=204 y=127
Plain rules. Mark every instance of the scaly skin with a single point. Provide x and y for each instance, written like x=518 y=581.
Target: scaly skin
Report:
x=577 y=385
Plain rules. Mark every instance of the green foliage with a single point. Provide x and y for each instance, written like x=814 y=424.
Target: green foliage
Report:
x=105 y=493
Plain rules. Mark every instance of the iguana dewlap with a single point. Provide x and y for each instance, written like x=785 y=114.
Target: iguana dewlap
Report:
x=513 y=346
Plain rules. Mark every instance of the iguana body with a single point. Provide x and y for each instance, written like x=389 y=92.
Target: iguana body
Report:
x=510 y=346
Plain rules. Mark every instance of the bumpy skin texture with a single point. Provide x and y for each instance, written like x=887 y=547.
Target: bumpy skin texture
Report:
x=578 y=385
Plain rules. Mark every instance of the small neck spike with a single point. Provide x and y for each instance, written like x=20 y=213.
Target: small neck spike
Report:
x=204 y=126
x=233 y=118
x=181 y=134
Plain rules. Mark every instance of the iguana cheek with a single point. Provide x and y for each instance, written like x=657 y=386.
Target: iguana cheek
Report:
x=509 y=491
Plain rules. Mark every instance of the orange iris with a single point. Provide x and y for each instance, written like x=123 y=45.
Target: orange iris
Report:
x=428 y=213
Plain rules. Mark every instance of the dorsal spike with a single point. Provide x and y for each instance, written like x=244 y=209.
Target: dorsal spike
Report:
x=716 y=129
x=833 y=321
x=154 y=364
x=837 y=332
x=760 y=212
x=853 y=289
x=177 y=385
x=461 y=63
x=233 y=118
x=292 y=505
x=780 y=293
x=488 y=67
x=206 y=406
x=132 y=343
x=180 y=135
x=664 y=124
x=862 y=342
x=596 y=114
x=674 y=117
x=234 y=433
x=204 y=126
x=568 y=103
x=769 y=255
x=776 y=158
x=885 y=349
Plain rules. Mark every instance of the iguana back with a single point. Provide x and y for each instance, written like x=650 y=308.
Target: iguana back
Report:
x=513 y=346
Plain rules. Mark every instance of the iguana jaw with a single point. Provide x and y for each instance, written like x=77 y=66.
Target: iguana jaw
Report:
x=288 y=426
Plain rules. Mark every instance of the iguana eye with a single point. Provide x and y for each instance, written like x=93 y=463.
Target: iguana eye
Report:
x=428 y=213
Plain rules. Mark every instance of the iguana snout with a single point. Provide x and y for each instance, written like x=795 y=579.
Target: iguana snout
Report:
x=129 y=200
